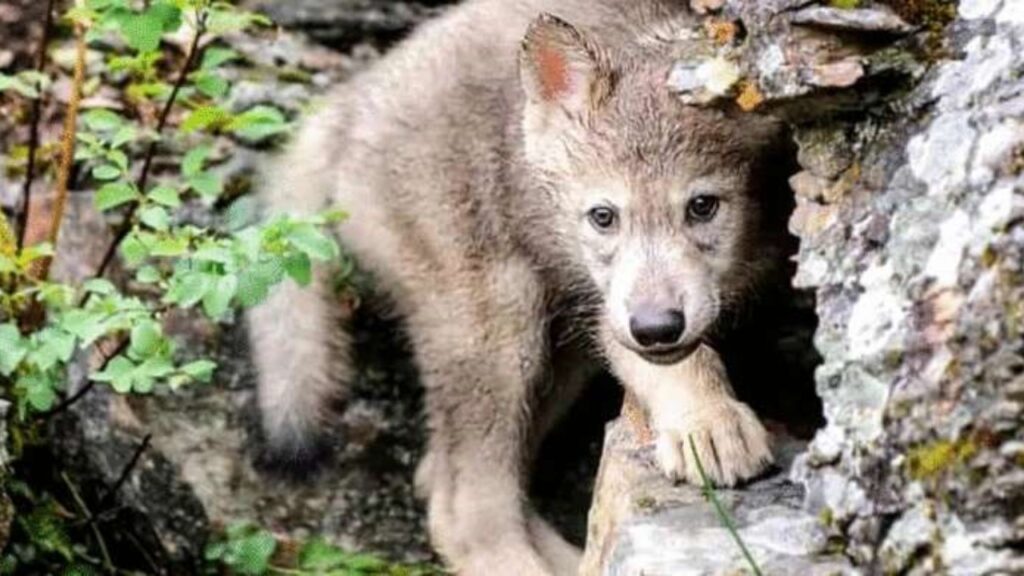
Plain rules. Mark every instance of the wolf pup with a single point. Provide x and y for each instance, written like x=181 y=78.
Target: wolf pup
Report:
x=535 y=204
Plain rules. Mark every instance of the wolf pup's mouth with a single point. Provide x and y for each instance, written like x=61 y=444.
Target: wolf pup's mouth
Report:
x=666 y=356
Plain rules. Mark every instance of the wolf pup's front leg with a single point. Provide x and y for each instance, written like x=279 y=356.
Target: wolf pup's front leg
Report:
x=693 y=399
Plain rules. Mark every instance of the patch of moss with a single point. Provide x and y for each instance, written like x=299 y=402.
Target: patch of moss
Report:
x=925 y=12
x=826 y=517
x=645 y=503
x=930 y=460
x=932 y=15
x=1016 y=164
x=845 y=4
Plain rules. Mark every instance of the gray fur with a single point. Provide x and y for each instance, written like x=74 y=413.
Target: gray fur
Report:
x=469 y=158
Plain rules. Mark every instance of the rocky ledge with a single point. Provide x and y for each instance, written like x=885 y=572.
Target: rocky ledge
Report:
x=643 y=524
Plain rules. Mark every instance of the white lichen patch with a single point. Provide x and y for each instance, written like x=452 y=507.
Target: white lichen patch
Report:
x=939 y=156
x=986 y=62
x=718 y=75
x=876 y=317
x=1012 y=13
x=977 y=9
x=944 y=263
x=997 y=209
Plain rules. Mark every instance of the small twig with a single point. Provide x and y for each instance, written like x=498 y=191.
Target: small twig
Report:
x=35 y=120
x=108 y=563
x=126 y=225
x=87 y=387
x=67 y=154
x=108 y=496
x=723 y=515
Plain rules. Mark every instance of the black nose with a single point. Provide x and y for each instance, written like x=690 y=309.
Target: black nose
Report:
x=654 y=327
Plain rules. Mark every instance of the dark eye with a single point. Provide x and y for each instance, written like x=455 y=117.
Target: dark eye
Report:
x=702 y=208
x=603 y=218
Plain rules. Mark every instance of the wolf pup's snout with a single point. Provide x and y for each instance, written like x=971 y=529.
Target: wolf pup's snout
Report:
x=655 y=327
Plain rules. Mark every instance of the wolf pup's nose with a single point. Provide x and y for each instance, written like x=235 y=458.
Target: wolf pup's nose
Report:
x=653 y=327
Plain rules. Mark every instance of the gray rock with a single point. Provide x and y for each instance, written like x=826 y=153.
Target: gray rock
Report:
x=345 y=23
x=642 y=524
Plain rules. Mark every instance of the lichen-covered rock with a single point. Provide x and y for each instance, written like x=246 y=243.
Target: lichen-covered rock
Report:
x=919 y=282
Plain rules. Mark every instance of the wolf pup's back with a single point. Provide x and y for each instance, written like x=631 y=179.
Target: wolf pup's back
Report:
x=507 y=173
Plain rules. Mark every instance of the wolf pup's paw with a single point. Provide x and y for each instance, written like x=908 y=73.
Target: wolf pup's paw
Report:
x=731 y=443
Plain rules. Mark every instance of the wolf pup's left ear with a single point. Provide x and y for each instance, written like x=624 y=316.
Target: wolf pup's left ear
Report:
x=561 y=67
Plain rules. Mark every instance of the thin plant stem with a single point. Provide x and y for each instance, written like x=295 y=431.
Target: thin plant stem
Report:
x=108 y=496
x=125 y=227
x=108 y=563
x=35 y=120
x=67 y=152
x=723 y=514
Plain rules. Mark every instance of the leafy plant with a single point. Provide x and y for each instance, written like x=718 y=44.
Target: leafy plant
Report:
x=173 y=105
x=248 y=550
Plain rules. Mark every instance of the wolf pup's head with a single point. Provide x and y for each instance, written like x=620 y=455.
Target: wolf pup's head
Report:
x=662 y=203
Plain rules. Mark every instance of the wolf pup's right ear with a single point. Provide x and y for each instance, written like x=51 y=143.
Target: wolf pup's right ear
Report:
x=561 y=68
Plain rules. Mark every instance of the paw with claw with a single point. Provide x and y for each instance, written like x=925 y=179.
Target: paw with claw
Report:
x=730 y=442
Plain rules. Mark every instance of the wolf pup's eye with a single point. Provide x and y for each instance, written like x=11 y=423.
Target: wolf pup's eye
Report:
x=702 y=208
x=603 y=218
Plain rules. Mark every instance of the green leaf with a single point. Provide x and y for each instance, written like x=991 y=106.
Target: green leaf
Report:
x=299 y=267
x=155 y=368
x=146 y=339
x=143 y=31
x=18 y=85
x=102 y=120
x=200 y=370
x=13 y=349
x=54 y=347
x=106 y=172
x=39 y=392
x=211 y=85
x=165 y=196
x=148 y=275
x=170 y=247
x=156 y=217
x=314 y=243
x=194 y=161
x=115 y=194
x=99 y=286
x=214 y=57
x=207 y=184
x=123 y=136
x=364 y=563
x=205 y=118
x=254 y=284
x=189 y=289
x=134 y=250
x=118 y=374
x=250 y=555
x=119 y=159
x=88 y=326
x=226 y=19
x=258 y=123
x=319 y=556
x=218 y=298
x=213 y=253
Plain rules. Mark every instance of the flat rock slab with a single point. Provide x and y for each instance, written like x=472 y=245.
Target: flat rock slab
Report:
x=643 y=524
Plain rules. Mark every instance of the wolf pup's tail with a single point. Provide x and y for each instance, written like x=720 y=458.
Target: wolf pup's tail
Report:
x=300 y=351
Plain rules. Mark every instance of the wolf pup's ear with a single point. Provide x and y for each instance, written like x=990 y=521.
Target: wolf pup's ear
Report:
x=561 y=67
